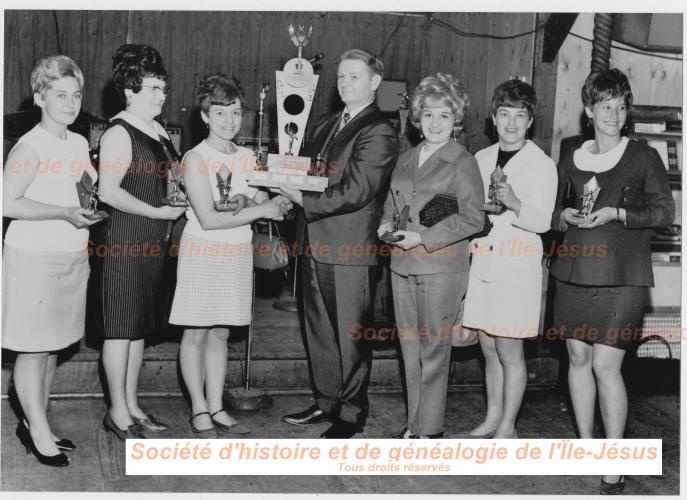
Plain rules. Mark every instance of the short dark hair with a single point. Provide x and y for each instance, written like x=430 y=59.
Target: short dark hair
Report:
x=218 y=89
x=373 y=62
x=606 y=84
x=444 y=88
x=514 y=94
x=132 y=63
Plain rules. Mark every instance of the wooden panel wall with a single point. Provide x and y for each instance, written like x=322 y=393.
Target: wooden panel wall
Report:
x=252 y=45
x=654 y=80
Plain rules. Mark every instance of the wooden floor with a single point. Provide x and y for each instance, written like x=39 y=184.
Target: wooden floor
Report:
x=98 y=464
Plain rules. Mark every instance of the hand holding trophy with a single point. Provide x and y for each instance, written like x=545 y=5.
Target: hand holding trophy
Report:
x=495 y=206
x=88 y=198
x=225 y=203
x=400 y=223
x=176 y=194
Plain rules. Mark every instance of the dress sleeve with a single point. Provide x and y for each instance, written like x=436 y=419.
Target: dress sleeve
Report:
x=658 y=209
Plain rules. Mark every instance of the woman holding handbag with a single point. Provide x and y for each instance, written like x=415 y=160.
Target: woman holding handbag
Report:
x=215 y=266
x=430 y=264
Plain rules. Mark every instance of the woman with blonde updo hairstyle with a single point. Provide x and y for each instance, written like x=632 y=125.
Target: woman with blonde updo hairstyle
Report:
x=429 y=263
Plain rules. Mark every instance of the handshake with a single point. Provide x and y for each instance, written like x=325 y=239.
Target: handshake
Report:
x=273 y=209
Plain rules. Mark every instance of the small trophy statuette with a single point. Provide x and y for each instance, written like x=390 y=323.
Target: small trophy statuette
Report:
x=318 y=166
x=176 y=195
x=300 y=38
x=400 y=224
x=224 y=187
x=494 y=205
x=591 y=192
x=88 y=198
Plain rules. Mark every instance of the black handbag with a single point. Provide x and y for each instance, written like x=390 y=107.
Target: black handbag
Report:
x=270 y=251
x=440 y=207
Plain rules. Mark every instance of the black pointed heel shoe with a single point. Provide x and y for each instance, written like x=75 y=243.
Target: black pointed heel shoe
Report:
x=65 y=445
x=62 y=444
x=59 y=460
x=612 y=488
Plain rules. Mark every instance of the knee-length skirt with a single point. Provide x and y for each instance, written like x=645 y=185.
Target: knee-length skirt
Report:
x=43 y=299
x=609 y=315
x=214 y=283
x=509 y=308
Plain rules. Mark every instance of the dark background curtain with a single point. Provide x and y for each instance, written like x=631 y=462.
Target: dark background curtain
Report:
x=252 y=45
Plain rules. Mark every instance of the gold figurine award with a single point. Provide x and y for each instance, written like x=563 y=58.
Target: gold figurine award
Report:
x=224 y=187
x=88 y=198
x=176 y=194
x=591 y=193
x=494 y=205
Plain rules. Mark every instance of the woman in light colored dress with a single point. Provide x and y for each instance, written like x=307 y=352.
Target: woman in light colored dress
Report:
x=215 y=267
x=503 y=301
x=45 y=263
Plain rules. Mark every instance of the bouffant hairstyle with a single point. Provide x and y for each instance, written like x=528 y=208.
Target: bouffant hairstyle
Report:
x=51 y=68
x=514 y=94
x=132 y=63
x=219 y=89
x=373 y=62
x=442 y=88
x=606 y=84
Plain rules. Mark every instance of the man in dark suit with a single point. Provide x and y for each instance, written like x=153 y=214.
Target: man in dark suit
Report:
x=341 y=262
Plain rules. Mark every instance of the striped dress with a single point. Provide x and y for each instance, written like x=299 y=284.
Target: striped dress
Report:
x=129 y=296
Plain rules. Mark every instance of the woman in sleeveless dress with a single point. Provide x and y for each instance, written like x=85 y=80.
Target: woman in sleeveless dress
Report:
x=215 y=267
x=131 y=247
x=45 y=263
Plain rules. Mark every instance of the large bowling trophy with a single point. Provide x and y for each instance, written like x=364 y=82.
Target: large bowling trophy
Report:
x=88 y=198
x=295 y=89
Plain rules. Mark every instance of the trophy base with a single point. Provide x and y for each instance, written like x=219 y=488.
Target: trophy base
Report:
x=493 y=209
x=240 y=399
x=175 y=202
x=226 y=207
x=97 y=215
x=293 y=181
x=390 y=237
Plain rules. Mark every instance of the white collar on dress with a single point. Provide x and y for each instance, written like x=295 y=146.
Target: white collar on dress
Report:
x=587 y=161
x=154 y=132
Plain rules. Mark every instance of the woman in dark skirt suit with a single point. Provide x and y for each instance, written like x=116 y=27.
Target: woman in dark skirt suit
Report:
x=603 y=265
x=131 y=247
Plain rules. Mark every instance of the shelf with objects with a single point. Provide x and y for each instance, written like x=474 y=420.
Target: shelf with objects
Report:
x=661 y=128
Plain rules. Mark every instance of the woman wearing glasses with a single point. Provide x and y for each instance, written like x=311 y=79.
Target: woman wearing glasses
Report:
x=131 y=247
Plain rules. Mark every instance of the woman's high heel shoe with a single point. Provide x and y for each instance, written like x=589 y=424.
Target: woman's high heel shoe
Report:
x=65 y=445
x=134 y=431
x=59 y=460
x=612 y=488
x=62 y=444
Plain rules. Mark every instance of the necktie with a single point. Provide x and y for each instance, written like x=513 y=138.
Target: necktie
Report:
x=345 y=119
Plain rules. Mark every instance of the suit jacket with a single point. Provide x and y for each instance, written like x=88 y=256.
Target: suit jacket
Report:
x=342 y=221
x=452 y=171
x=615 y=254
x=513 y=249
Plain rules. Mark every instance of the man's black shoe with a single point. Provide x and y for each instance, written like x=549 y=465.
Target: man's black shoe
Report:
x=312 y=415
x=341 y=430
